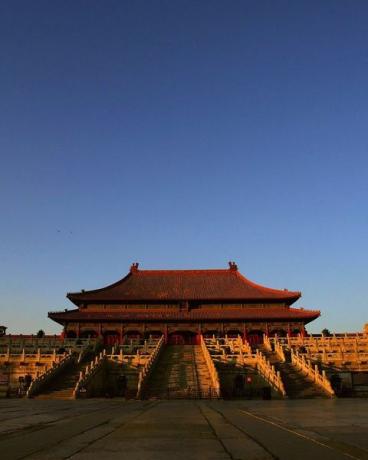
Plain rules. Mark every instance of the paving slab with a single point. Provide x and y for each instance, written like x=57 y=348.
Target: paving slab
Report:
x=213 y=430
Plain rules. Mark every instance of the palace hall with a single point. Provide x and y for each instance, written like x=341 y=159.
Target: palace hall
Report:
x=182 y=305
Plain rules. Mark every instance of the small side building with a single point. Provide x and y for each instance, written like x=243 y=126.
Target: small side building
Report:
x=181 y=305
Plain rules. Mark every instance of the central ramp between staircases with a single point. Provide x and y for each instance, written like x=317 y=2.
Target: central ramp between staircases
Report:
x=181 y=372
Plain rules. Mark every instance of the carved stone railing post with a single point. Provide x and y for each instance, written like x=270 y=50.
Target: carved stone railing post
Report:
x=211 y=367
x=89 y=372
x=312 y=372
x=267 y=342
x=269 y=373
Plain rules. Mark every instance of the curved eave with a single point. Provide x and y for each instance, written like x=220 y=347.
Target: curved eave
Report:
x=284 y=295
x=85 y=298
x=312 y=317
x=251 y=314
x=80 y=297
x=81 y=300
x=62 y=316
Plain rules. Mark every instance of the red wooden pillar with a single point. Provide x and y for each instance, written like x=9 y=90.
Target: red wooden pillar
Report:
x=78 y=330
x=121 y=333
x=198 y=335
x=244 y=332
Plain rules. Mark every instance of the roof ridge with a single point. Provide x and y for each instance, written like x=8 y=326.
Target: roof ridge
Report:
x=186 y=270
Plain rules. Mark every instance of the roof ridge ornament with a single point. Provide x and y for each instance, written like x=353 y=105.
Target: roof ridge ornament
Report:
x=134 y=267
x=233 y=266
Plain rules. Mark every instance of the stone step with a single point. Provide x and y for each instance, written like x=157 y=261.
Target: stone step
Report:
x=63 y=385
x=297 y=385
x=180 y=372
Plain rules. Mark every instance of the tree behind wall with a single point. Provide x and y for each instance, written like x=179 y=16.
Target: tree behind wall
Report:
x=326 y=333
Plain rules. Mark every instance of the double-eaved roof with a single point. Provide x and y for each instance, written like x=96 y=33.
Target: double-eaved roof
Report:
x=155 y=286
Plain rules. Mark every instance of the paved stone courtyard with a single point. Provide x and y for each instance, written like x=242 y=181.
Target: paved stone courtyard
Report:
x=213 y=430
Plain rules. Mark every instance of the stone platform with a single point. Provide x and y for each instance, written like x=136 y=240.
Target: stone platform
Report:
x=160 y=430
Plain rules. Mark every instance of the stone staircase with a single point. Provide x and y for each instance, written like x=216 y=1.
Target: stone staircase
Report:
x=181 y=372
x=297 y=385
x=62 y=386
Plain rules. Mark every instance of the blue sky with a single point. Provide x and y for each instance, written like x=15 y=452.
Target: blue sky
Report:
x=183 y=134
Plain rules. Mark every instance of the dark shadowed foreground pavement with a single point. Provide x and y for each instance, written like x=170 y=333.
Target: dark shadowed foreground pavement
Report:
x=176 y=430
